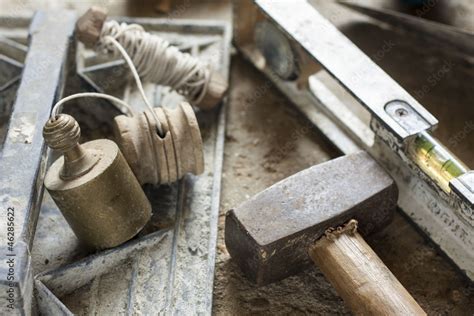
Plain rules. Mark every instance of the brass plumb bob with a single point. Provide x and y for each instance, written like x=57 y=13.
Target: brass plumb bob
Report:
x=94 y=187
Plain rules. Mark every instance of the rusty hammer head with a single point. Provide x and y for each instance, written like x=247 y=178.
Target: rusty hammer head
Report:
x=269 y=235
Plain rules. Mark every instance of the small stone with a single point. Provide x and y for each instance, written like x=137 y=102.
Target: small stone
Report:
x=456 y=296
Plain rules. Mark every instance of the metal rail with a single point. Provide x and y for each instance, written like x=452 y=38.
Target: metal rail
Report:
x=23 y=157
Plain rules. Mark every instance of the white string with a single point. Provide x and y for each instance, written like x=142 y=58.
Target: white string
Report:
x=156 y=60
x=55 y=111
x=137 y=80
x=125 y=55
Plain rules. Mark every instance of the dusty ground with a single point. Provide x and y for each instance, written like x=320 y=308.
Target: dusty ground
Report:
x=266 y=141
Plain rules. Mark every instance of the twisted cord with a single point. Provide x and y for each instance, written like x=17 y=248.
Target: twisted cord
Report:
x=156 y=60
x=150 y=58
x=114 y=100
x=62 y=132
x=137 y=81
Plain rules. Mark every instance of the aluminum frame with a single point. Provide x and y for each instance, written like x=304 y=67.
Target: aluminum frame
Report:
x=23 y=157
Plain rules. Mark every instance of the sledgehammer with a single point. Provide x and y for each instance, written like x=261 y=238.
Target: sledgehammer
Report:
x=315 y=214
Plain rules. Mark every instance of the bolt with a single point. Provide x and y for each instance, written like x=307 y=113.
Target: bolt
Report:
x=401 y=112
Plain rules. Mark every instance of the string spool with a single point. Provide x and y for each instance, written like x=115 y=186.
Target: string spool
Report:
x=156 y=60
x=93 y=186
x=161 y=160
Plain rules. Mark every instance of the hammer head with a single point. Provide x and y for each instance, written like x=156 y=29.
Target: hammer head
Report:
x=269 y=235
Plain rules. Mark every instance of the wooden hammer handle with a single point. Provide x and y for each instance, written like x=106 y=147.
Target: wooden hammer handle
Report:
x=362 y=280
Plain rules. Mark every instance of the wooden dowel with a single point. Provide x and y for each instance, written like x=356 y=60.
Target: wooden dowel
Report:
x=362 y=280
x=164 y=6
